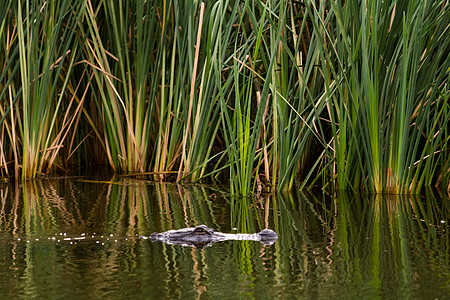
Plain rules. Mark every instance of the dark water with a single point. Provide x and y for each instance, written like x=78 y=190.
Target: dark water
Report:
x=73 y=239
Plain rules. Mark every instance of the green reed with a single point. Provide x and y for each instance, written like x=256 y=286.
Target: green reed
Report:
x=119 y=37
x=38 y=111
x=389 y=66
x=275 y=93
x=46 y=57
x=153 y=89
x=6 y=106
x=204 y=43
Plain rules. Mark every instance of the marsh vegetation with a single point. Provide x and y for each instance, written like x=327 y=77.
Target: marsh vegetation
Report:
x=340 y=94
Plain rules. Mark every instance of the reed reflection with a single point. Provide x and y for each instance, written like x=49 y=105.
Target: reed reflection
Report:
x=191 y=206
x=51 y=231
x=379 y=244
x=57 y=234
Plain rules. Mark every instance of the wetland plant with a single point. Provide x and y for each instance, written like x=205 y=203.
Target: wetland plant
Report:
x=344 y=94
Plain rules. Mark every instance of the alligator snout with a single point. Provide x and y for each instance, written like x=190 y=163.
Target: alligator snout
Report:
x=268 y=234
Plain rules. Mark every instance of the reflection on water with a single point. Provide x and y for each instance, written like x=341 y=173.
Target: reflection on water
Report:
x=80 y=239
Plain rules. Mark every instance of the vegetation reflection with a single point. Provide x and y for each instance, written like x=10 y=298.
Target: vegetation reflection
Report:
x=353 y=244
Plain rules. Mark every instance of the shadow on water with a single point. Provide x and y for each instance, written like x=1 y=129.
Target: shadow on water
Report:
x=80 y=238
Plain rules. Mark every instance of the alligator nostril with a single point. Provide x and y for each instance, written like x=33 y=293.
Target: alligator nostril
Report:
x=268 y=234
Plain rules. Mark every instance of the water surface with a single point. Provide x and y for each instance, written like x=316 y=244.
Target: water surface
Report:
x=75 y=238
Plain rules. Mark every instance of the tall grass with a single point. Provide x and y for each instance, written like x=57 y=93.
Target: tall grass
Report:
x=351 y=94
x=117 y=43
x=39 y=53
x=147 y=68
x=389 y=62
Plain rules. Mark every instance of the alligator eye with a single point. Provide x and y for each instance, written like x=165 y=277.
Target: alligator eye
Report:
x=200 y=230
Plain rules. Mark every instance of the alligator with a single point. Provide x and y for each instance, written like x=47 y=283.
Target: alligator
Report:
x=203 y=236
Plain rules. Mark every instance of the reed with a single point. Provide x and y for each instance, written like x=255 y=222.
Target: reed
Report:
x=153 y=92
x=389 y=66
x=204 y=42
x=42 y=41
x=276 y=93
x=117 y=43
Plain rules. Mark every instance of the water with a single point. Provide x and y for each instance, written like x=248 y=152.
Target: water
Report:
x=79 y=239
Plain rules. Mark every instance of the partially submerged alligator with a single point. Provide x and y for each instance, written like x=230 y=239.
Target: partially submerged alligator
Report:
x=203 y=236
